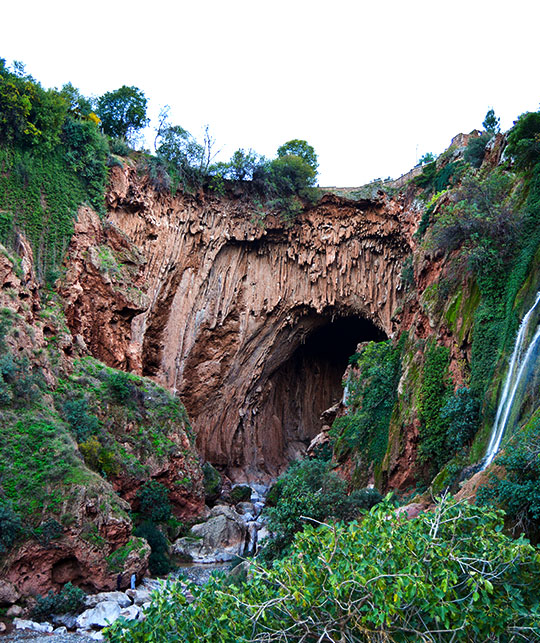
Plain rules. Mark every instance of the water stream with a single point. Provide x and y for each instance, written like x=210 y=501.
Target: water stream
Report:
x=521 y=363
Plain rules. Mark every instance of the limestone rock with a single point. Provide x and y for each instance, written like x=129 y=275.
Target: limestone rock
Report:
x=9 y=594
x=23 y=624
x=220 y=538
x=121 y=598
x=100 y=616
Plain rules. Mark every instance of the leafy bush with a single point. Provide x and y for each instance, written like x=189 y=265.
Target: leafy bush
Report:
x=98 y=457
x=303 y=150
x=159 y=561
x=462 y=413
x=11 y=526
x=119 y=386
x=212 y=483
x=476 y=149
x=482 y=222
x=48 y=530
x=240 y=493
x=524 y=141
x=518 y=493
x=448 y=575
x=434 y=391
x=122 y=112
x=70 y=599
x=372 y=394
x=153 y=499
x=82 y=423
x=309 y=490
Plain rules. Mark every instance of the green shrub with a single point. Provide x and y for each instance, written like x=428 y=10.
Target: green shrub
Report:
x=476 y=149
x=518 y=493
x=309 y=489
x=11 y=526
x=82 y=423
x=462 y=413
x=371 y=399
x=119 y=386
x=70 y=599
x=159 y=561
x=434 y=392
x=212 y=483
x=448 y=575
x=48 y=530
x=153 y=499
x=524 y=141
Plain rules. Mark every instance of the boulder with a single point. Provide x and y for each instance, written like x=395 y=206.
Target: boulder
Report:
x=133 y=612
x=23 y=624
x=100 y=616
x=220 y=538
x=139 y=596
x=14 y=610
x=246 y=508
x=9 y=594
x=122 y=599
x=68 y=621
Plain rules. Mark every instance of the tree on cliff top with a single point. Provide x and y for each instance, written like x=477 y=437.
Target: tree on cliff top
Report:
x=302 y=149
x=123 y=112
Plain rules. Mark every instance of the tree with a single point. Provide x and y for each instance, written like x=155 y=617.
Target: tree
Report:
x=524 y=141
x=491 y=123
x=123 y=112
x=298 y=147
x=428 y=157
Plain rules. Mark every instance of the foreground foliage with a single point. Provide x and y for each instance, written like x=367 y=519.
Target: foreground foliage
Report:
x=449 y=575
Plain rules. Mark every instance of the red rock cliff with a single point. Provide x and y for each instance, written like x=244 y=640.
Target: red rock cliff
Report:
x=234 y=314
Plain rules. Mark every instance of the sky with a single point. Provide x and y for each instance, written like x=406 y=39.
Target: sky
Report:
x=371 y=85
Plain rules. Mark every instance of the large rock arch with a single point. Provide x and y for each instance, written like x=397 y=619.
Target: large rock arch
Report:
x=231 y=300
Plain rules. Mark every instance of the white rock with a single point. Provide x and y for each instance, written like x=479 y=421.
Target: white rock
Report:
x=100 y=616
x=97 y=636
x=118 y=597
x=60 y=630
x=23 y=624
x=132 y=612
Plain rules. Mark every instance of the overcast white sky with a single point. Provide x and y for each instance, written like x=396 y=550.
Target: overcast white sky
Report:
x=371 y=85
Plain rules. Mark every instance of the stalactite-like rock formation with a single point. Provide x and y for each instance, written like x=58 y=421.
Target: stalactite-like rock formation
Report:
x=250 y=322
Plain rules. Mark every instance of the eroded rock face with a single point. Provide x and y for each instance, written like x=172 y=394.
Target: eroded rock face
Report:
x=231 y=302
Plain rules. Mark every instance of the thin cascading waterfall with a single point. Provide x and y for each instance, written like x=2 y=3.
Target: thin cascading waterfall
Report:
x=521 y=363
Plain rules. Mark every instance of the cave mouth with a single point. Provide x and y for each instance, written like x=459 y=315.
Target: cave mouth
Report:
x=310 y=381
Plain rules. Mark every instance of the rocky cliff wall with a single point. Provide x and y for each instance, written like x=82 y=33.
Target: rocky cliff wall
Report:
x=222 y=302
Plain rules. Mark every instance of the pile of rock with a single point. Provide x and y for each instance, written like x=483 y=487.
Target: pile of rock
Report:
x=101 y=610
x=228 y=531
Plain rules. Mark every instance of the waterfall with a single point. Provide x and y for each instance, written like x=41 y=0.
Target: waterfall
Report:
x=516 y=378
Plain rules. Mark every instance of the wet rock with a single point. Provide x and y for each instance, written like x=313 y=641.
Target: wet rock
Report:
x=240 y=493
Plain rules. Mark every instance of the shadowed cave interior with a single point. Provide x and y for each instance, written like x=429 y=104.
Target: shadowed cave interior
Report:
x=309 y=382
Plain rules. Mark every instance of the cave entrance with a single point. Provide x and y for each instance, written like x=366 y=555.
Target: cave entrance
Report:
x=309 y=381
